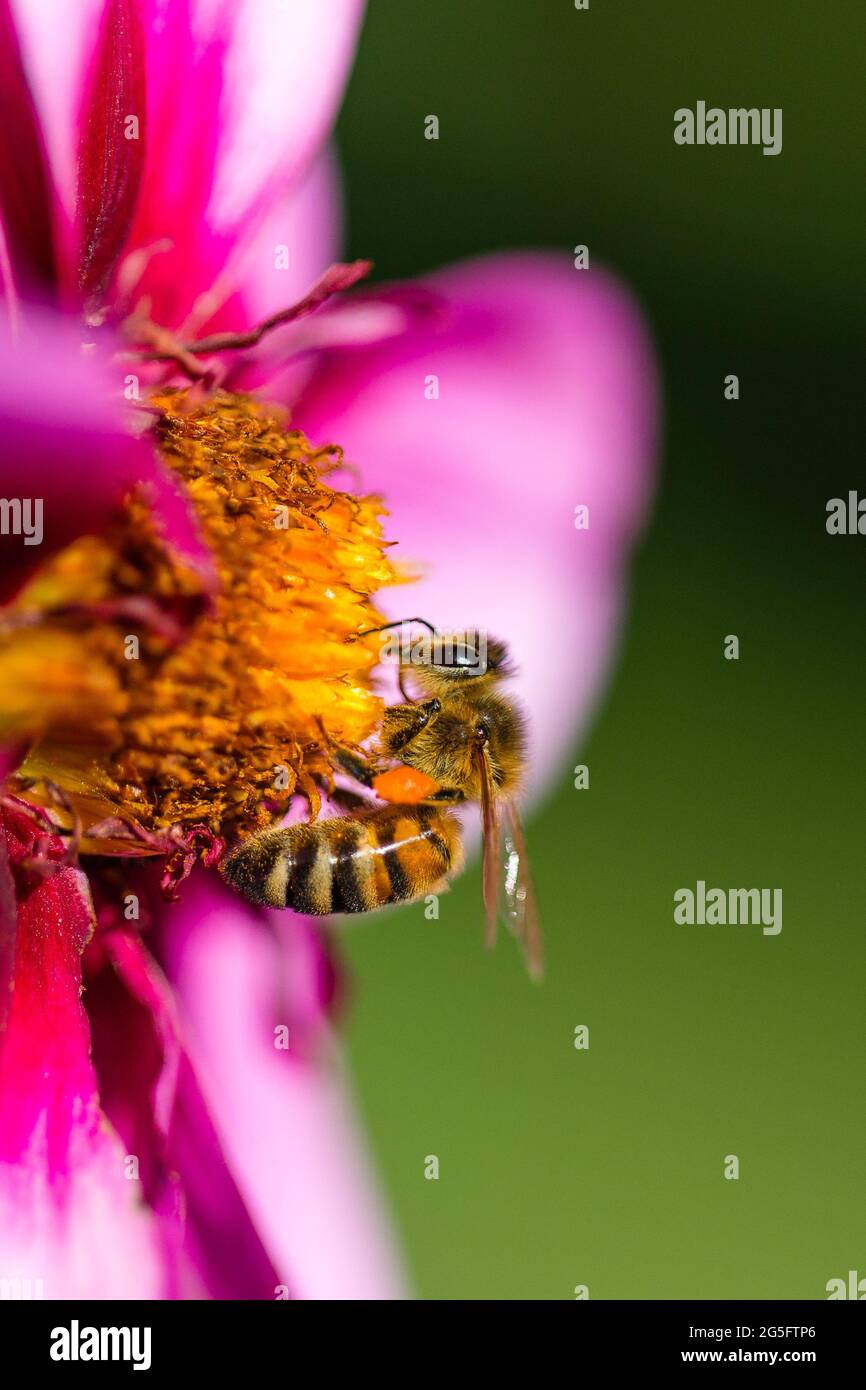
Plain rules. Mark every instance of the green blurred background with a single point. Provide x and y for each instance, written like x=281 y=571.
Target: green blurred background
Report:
x=605 y=1167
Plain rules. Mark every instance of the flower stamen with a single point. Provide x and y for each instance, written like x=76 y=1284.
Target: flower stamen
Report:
x=215 y=733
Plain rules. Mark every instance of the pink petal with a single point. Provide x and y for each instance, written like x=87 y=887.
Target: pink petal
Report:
x=183 y=255
x=56 y=58
x=285 y=73
x=66 y=443
x=62 y=1183
x=110 y=162
x=547 y=401
x=26 y=196
x=233 y=171
x=283 y=1115
x=150 y=1094
x=240 y=98
x=307 y=221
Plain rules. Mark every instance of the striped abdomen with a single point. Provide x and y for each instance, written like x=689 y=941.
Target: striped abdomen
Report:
x=348 y=863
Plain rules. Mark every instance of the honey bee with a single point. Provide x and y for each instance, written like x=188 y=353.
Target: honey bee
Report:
x=459 y=738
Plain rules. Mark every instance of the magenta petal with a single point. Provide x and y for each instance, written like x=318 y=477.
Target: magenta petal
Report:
x=283 y=1115
x=182 y=254
x=62 y=1182
x=45 y=1068
x=261 y=84
x=26 y=196
x=66 y=445
x=57 y=58
x=112 y=151
x=546 y=402
x=150 y=1094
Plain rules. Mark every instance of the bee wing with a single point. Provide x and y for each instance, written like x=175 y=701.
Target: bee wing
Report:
x=491 y=851
x=519 y=905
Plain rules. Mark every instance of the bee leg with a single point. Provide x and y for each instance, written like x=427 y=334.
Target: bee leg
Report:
x=402 y=723
x=349 y=802
x=355 y=765
x=446 y=795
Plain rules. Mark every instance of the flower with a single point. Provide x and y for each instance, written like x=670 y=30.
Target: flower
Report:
x=101 y=1109
x=166 y=154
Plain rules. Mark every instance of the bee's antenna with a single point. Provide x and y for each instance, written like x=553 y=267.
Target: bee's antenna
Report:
x=384 y=627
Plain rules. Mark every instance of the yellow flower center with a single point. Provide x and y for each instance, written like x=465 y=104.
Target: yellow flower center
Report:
x=222 y=727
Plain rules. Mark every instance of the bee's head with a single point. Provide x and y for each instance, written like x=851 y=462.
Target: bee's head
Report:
x=441 y=658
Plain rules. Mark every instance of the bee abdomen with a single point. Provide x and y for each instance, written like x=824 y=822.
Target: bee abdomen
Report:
x=348 y=863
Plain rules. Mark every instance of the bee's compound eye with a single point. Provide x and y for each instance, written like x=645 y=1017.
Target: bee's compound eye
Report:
x=461 y=656
x=466 y=656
